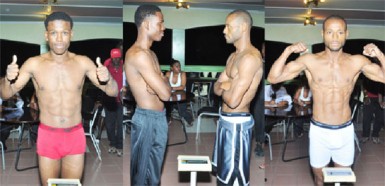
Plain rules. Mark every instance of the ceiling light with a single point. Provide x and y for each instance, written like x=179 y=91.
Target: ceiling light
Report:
x=310 y=2
x=180 y=4
x=309 y=21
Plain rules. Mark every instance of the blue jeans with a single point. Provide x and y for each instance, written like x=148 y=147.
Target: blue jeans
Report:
x=148 y=144
x=232 y=149
x=114 y=125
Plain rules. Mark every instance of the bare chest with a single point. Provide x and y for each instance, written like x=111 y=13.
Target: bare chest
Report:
x=333 y=74
x=54 y=77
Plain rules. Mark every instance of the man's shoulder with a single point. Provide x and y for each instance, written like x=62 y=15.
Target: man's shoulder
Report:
x=136 y=54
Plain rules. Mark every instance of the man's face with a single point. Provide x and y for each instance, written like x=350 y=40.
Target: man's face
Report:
x=334 y=34
x=58 y=36
x=232 y=29
x=156 y=26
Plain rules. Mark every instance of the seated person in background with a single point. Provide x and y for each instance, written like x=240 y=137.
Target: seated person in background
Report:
x=276 y=96
x=372 y=111
x=177 y=80
x=16 y=103
x=302 y=98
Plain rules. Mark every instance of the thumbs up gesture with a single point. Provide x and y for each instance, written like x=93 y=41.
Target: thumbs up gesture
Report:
x=12 y=69
x=102 y=71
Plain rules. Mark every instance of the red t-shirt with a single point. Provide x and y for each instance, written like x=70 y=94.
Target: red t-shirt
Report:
x=116 y=73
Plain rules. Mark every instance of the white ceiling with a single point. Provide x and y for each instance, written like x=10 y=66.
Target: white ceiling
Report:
x=366 y=12
x=80 y=10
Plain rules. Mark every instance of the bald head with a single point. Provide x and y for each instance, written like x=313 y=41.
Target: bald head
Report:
x=243 y=16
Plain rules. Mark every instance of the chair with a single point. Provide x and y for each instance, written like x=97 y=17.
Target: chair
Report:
x=2 y=154
x=208 y=111
x=205 y=111
x=355 y=110
x=127 y=100
x=91 y=117
x=270 y=149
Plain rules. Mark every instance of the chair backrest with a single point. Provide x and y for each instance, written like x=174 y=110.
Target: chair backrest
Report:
x=354 y=111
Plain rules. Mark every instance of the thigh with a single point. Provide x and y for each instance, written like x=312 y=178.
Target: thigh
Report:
x=319 y=152
x=48 y=168
x=72 y=166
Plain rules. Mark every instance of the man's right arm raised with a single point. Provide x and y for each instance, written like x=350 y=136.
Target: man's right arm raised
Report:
x=15 y=78
x=280 y=72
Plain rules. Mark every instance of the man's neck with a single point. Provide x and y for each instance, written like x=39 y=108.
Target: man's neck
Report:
x=334 y=56
x=143 y=41
x=59 y=58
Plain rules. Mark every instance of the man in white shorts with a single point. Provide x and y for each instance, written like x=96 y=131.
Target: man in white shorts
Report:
x=331 y=75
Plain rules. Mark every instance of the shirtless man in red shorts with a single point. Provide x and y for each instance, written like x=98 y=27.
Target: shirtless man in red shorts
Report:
x=58 y=77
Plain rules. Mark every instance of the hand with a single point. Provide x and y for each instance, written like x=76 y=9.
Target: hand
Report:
x=150 y=90
x=372 y=50
x=298 y=47
x=12 y=69
x=102 y=71
x=225 y=85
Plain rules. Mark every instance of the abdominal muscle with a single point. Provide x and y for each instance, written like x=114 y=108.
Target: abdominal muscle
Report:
x=331 y=104
x=59 y=109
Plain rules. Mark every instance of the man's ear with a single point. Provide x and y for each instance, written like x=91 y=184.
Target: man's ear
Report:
x=146 y=24
x=46 y=35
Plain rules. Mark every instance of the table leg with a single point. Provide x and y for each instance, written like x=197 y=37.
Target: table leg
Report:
x=193 y=178
x=184 y=131
x=289 y=122
x=19 y=149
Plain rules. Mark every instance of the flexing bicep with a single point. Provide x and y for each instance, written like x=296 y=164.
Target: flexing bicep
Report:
x=374 y=72
x=289 y=71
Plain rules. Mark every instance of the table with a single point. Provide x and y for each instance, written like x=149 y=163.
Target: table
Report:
x=22 y=117
x=198 y=83
x=179 y=97
x=288 y=114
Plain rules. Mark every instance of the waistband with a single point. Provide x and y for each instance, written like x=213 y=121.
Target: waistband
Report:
x=154 y=113
x=327 y=126
x=55 y=129
x=235 y=114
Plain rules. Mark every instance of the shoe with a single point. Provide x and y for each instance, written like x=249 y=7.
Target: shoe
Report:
x=364 y=139
x=112 y=150
x=259 y=150
x=119 y=152
x=376 y=140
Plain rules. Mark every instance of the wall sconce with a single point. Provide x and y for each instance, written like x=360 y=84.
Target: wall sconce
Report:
x=315 y=2
x=180 y=4
x=309 y=21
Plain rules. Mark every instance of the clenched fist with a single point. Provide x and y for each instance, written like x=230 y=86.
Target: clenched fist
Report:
x=298 y=47
x=12 y=69
x=372 y=50
x=102 y=71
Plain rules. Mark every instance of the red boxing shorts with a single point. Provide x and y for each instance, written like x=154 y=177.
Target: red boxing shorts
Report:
x=56 y=143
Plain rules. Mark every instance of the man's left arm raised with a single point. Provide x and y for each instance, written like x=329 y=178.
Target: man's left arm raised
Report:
x=371 y=70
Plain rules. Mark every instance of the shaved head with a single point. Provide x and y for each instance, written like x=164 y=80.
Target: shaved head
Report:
x=243 y=16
